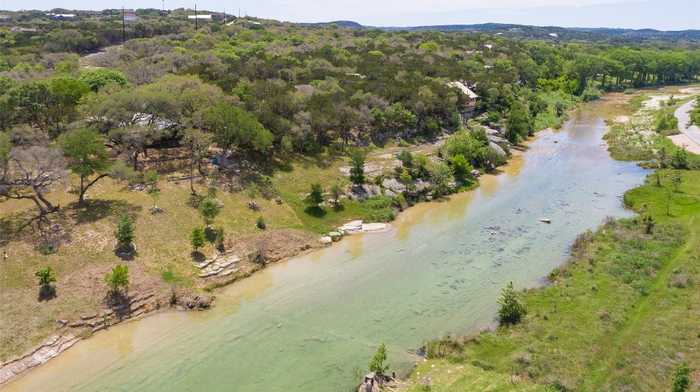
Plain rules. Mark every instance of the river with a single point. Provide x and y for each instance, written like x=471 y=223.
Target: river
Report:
x=312 y=323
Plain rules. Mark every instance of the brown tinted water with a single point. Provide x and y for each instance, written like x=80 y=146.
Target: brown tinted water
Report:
x=312 y=323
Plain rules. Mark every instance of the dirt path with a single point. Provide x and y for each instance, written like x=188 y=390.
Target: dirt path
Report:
x=689 y=138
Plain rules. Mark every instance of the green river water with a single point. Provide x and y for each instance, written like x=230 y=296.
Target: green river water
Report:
x=310 y=324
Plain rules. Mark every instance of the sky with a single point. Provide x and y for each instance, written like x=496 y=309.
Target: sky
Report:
x=659 y=14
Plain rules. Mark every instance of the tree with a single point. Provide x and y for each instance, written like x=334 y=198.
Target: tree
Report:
x=151 y=178
x=681 y=379
x=315 y=197
x=233 y=127
x=28 y=173
x=98 y=78
x=209 y=208
x=377 y=364
x=336 y=193
x=198 y=143
x=676 y=181
x=197 y=238
x=679 y=160
x=511 y=310
x=470 y=146
x=440 y=177
x=46 y=277
x=118 y=279
x=87 y=156
x=649 y=223
x=125 y=232
x=357 y=169
x=519 y=123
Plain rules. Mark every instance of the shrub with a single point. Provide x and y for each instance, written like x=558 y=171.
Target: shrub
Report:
x=357 y=169
x=591 y=94
x=336 y=193
x=679 y=160
x=125 y=231
x=260 y=223
x=681 y=380
x=315 y=197
x=209 y=208
x=118 y=278
x=377 y=364
x=511 y=310
x=197 y=238
x=665 y=120
x=440 y=176
x=471 y=147
x=46 y=276
x=461 y=169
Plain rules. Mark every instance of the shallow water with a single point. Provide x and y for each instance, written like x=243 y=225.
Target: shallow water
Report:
x=311 y=323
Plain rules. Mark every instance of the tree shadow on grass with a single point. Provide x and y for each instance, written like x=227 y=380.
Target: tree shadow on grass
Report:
x=126 y=252
x=315 y=211
x=47 y=293
x=119 y=302
x=33 y=228
x=197 y=256
x=95 y=210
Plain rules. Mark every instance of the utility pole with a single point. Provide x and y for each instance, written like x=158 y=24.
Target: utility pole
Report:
x=123 y=26
x=196 y=24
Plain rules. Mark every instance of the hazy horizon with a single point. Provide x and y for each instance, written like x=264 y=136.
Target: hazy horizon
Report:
x=637 y=14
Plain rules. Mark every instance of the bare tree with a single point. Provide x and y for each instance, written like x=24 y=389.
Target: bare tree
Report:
x=29 y=173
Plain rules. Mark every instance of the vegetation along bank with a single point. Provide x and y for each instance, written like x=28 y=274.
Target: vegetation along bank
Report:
x=142 y=176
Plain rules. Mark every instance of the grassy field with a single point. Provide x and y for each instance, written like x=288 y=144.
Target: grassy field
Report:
x=621 y=316
x=87 y=242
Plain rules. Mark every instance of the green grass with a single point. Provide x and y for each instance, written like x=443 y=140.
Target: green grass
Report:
x=162 y=241
x=637 y=102
x=549 y=118
x=621 y=315
x=294 y=186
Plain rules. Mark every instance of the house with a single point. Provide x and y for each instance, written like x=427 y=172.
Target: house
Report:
x=199 y=17
x=462 y=86
x=16 y=29
x=61 y=16
x=130 y=15
x=469 y=106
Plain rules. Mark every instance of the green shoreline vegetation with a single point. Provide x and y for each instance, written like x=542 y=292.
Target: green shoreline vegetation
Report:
x=130 y=155
x=620 y=315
